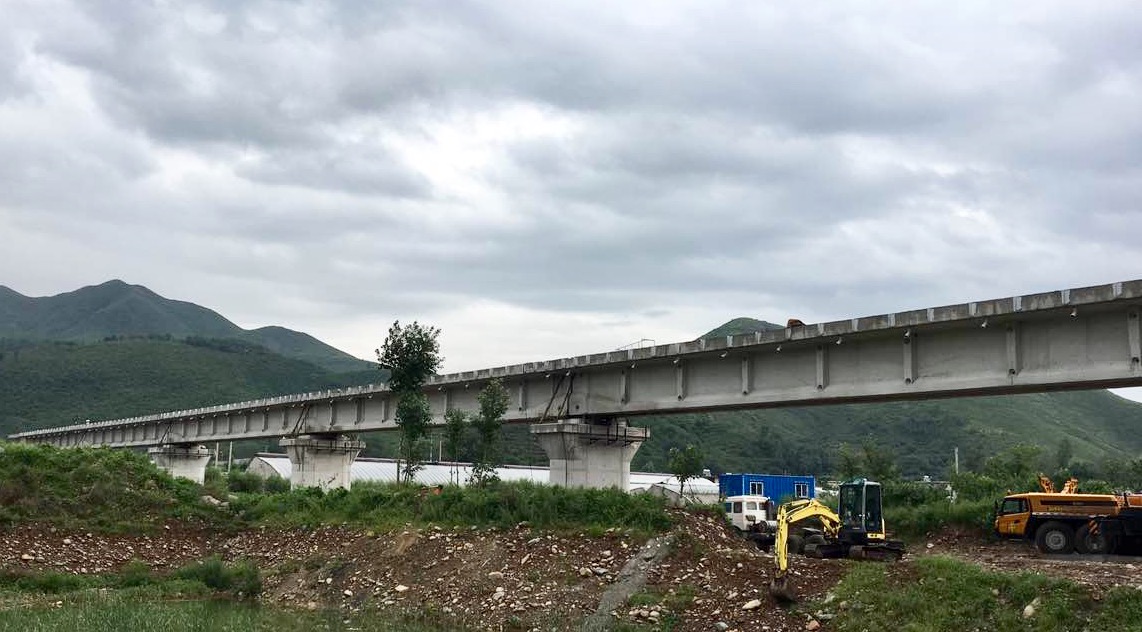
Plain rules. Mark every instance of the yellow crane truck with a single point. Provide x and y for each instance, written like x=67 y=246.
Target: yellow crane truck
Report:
x=1058 y=523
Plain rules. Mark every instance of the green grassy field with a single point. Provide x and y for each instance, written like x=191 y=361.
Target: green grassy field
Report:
x=130 y=612
x=941 y=594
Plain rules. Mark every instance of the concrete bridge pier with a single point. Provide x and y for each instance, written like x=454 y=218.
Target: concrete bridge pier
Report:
x=182 y=460
x=590 y=453
x=321 y=460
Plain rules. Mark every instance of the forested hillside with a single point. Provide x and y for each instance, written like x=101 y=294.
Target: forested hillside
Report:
x=1082 y=429
x=52 y=383
x=116 y=309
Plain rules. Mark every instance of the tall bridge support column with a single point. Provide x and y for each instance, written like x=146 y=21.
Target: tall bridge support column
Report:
x=323 y=461
x=585 y=454
x=182 y=461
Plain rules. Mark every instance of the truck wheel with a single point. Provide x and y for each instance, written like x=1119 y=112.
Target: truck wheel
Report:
x=1087 y=542
x=1055 y=537
x=795 y=544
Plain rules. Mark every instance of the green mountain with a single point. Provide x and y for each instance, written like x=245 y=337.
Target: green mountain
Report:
x=45 y=384
x=739 y=326
x=116 y=309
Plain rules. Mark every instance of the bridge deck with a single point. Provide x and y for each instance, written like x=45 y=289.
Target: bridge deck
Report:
x=1067 y=339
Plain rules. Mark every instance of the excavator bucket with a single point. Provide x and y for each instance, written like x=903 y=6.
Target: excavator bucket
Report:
x=781 y=589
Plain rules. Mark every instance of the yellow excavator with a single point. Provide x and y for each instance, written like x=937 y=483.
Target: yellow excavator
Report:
x=856 y=530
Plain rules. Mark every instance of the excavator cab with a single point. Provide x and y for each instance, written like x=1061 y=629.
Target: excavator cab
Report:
x=860 y=512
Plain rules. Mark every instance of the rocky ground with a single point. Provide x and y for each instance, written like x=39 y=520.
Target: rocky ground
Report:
x=701 y=576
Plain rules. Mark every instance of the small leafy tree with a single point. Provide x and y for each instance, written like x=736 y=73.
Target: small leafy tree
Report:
x=686 y=464
x=1020 y=462
x=412 y=417
x=487 y=422
x=411 y=354
x=455 y=426
x=869 y=461
x=1064 y=453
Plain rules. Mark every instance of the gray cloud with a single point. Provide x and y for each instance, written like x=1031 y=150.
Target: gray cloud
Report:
x=674 y=165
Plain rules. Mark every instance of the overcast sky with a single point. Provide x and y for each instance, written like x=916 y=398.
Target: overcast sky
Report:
x=543 y=180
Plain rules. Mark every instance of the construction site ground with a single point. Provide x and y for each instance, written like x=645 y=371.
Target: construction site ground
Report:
x=700 y=576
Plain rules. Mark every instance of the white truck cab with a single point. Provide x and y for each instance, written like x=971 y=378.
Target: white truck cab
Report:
x=751 y=513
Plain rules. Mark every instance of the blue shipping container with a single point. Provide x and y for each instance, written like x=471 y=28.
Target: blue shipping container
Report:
x=778 y=487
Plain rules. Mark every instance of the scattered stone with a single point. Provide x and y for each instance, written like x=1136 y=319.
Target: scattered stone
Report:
x=495 y=575
x=752 y=604
x=813 y=625
x=721 y=626
x=401 y=588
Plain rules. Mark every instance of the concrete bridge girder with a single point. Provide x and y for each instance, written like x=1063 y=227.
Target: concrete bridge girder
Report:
x=1070 y=339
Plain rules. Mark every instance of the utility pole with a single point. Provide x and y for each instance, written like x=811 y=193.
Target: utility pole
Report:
x=957 y=454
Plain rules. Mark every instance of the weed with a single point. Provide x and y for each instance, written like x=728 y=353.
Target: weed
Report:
x=241 y=579
x=680 y=597
x=644 y=599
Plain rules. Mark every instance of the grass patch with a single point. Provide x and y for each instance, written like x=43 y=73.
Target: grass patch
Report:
x=94 y=489
x=212 y=576
x=941 y=594
x=126 y=612
x=503 y=505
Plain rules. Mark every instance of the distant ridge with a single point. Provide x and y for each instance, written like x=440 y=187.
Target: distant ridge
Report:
x=739 y=326
x=116 y=308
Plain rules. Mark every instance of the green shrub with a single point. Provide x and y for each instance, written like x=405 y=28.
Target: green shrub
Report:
x=135 y=573
x=276 y=485
x=241 y=579
x=918 y=520
x=245 y=482
x=215 y=483
x=49 y=582
x=905 y=493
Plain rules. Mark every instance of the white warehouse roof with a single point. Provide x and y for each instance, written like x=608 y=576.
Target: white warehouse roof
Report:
x=385 y=470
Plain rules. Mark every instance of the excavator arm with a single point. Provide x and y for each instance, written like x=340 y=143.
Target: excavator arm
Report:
x=791 y=513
